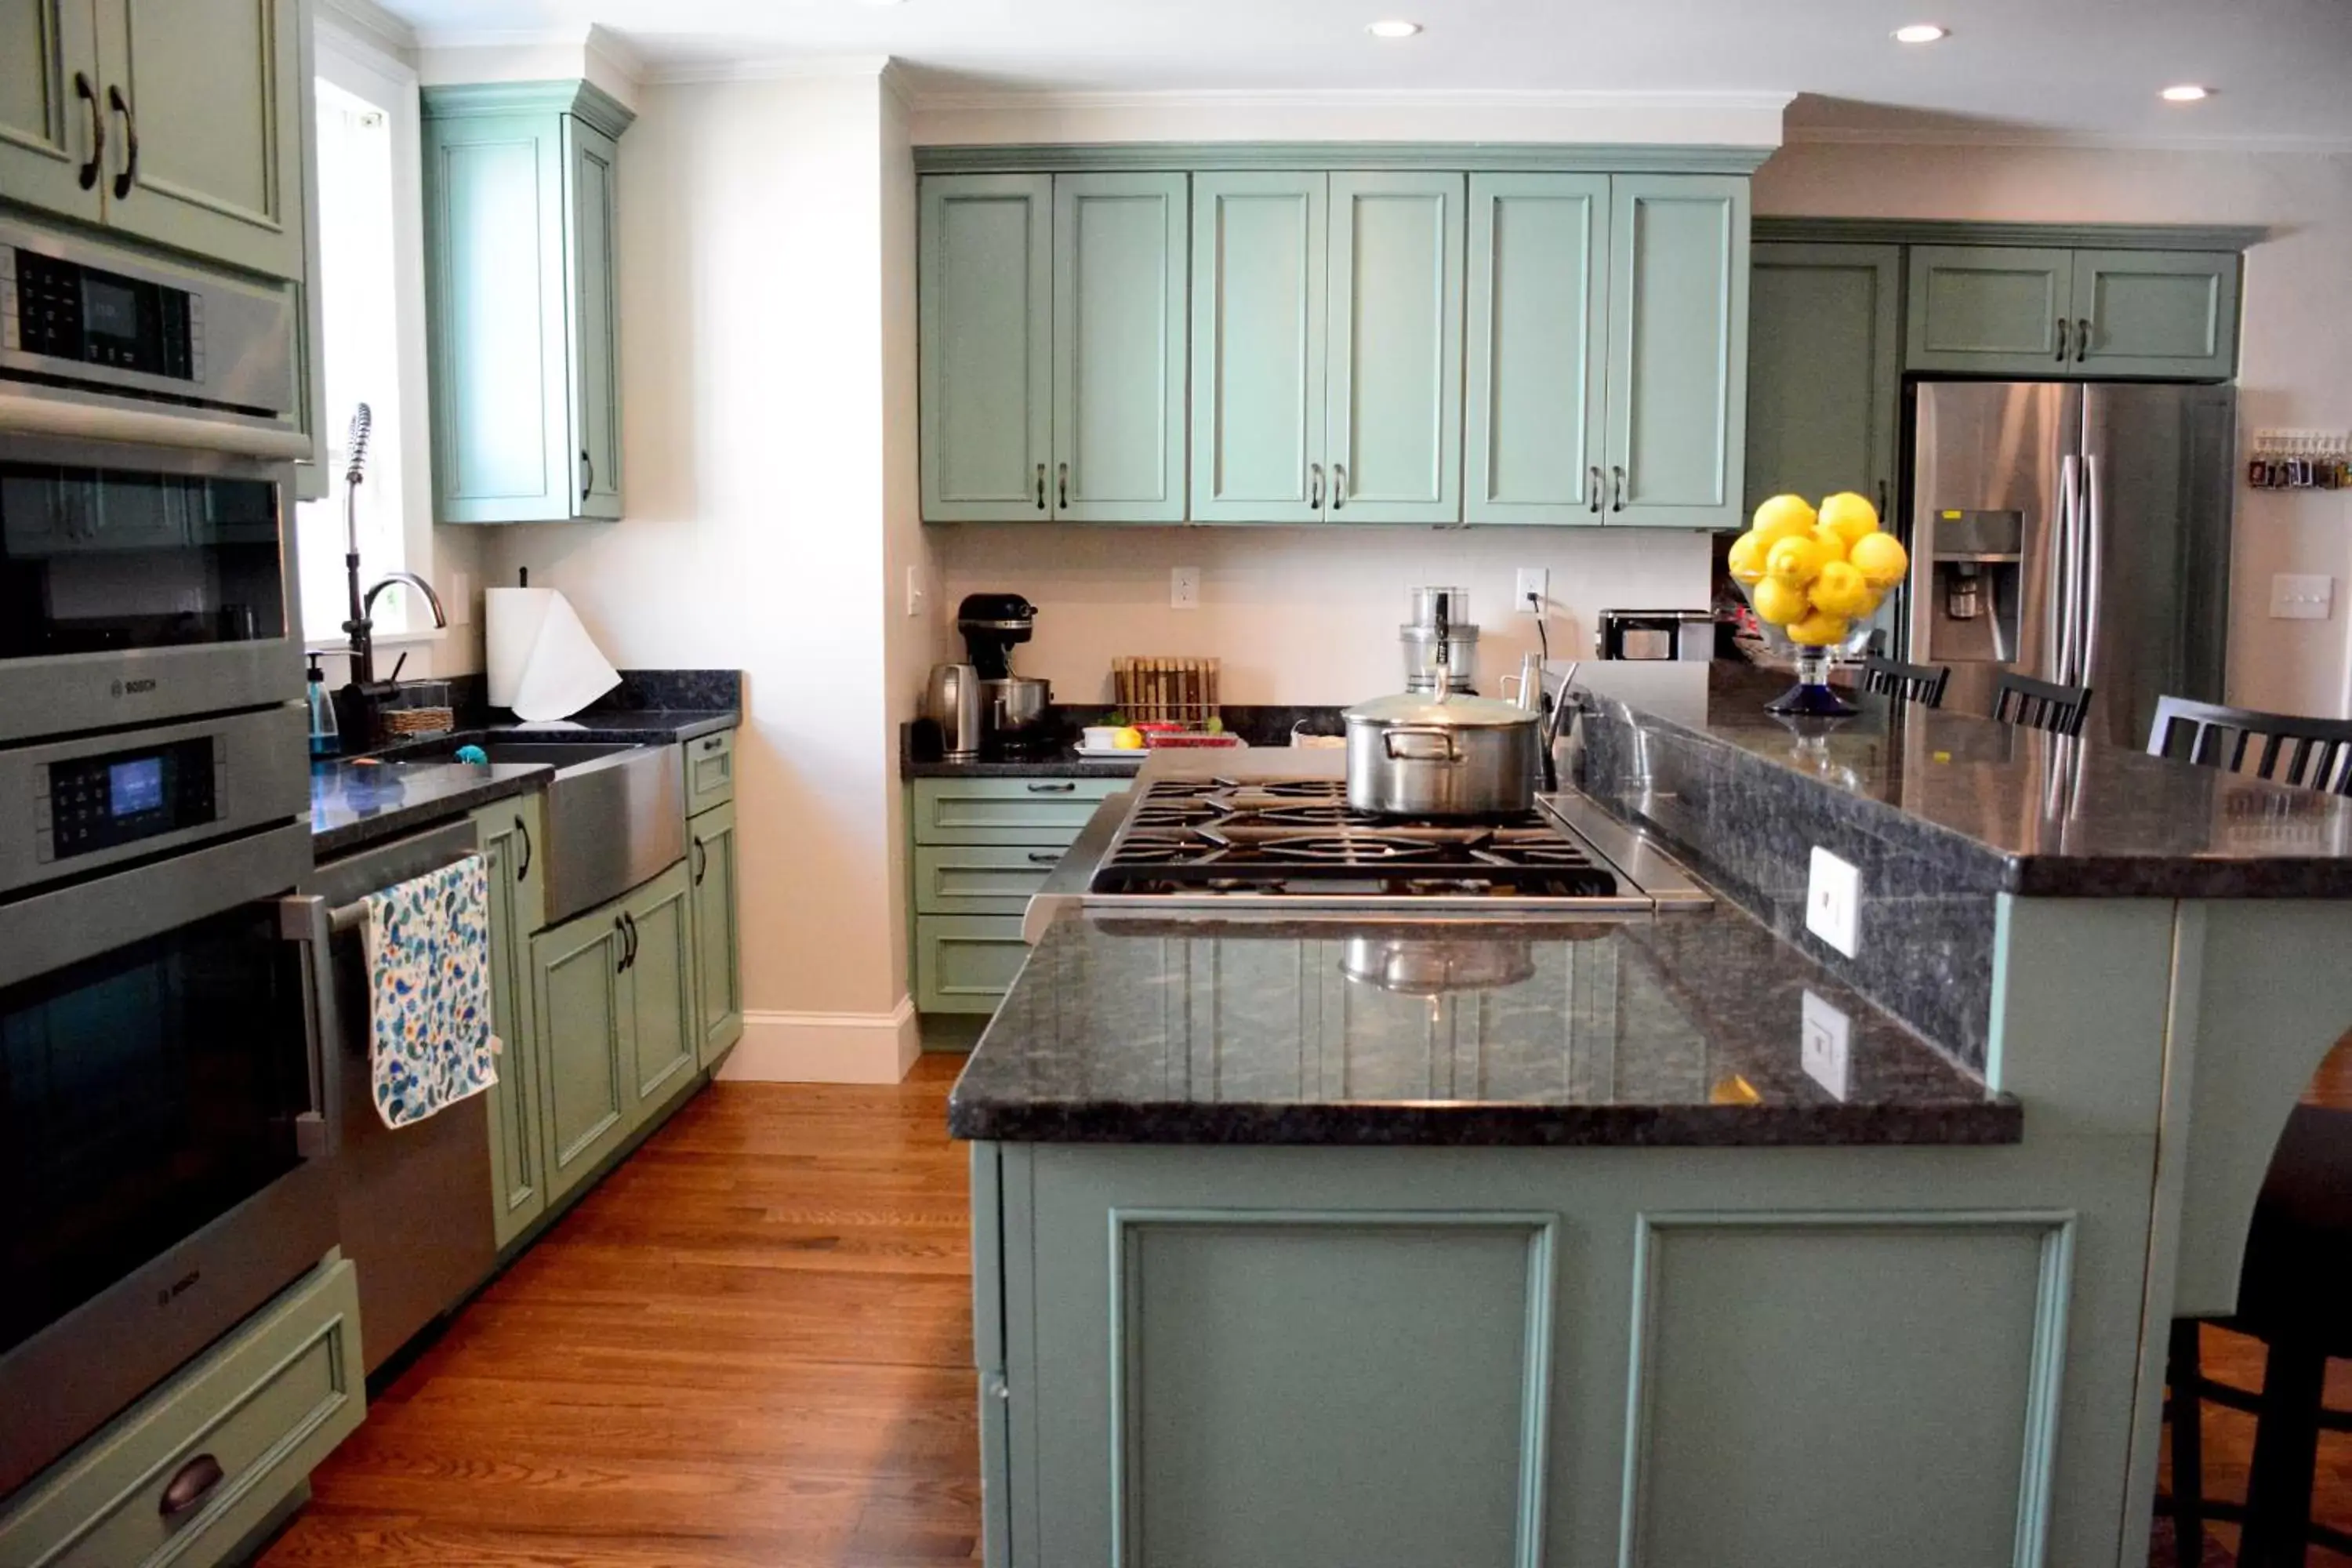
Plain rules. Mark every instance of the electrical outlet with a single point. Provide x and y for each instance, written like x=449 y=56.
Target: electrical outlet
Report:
x=1534 y=593
x=1826 y=1050
x=2296 y=597
x=1184 y=587
x=1833 y=902
x=915 y=591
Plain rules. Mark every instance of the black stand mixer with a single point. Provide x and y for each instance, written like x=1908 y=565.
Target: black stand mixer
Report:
x=1015 y=709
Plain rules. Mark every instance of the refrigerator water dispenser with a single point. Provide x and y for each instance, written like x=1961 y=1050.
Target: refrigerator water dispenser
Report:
x=1978 y=587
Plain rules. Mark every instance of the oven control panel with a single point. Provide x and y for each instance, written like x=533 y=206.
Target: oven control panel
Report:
x=65 y=310
x=102 y=802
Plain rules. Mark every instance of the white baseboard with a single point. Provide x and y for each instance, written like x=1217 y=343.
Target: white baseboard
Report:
x=825 y=1047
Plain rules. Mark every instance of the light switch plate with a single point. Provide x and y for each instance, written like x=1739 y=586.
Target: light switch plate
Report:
x=1184 y=587
x=2298 y=597
x=1827 y=1051
x=1833 y=902
x=914 y=591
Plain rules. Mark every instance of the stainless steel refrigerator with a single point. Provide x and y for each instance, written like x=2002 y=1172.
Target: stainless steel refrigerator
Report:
x=2075 y=531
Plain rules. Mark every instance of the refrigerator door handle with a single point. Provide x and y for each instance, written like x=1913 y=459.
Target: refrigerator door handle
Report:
x=2059 y=621
x=2093 y=522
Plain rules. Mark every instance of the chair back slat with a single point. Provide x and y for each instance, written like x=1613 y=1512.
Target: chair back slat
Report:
x=1920 y=683
x=2311 y=754
x=2041 y=704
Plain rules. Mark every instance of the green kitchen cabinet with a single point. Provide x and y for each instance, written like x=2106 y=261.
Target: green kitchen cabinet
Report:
x=965 y=964
x=2168 y=313
x=718 y=936
x=1990 y=310
x=985 y=304
x=1118 y=292
x=524 y=330
x=51 y=107
x=1824 y=371
x=1260 y=310
x=1675 y=437
x=978 y=848
x=511 y=835
x=1538 y=371
x=1393 y=383
x=664 y=1029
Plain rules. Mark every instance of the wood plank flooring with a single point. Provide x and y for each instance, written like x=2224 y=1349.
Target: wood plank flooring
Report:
x=750 y=1345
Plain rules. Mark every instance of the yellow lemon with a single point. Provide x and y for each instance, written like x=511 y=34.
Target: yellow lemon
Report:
x=1780 y=604
x=1852 y=515
x=1820 y=629
x=1880 y=559
x=1796 y=561
x=1128 y=741
x=1831 y=541
x=1842 y=590
x=1747 y=561
x=1784 y=517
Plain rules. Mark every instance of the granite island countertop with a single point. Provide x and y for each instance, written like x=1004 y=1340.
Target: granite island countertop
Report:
x=1681 y=1031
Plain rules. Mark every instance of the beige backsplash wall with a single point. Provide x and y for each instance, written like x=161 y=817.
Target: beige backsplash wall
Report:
x=1300 y=615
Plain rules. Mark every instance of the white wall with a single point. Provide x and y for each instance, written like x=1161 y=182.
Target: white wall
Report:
x=1303 y=615
x=2295 y=366
x=759 y=478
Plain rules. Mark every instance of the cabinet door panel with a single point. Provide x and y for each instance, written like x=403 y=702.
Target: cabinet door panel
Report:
x=1678 y=349
x=2154 y=312
x=1539 y=327
x=1825 y=370
x=211 y=85
x=594 y=320
x=578 y=989
x=662 y=1002
x=518 y=1157
x=1258 y=319
x=1120 y=262
x=1394 y=399
x=47 y=123
x=986 y=307
x=1989 y=309
x=717 y=946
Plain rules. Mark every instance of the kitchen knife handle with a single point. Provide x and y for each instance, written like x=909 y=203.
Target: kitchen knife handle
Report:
x=1041 y=487
x=88 y=94
x=2061 y=339
x=2082 y=339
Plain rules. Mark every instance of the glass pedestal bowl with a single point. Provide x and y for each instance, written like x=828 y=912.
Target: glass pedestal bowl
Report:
x=1813 y=695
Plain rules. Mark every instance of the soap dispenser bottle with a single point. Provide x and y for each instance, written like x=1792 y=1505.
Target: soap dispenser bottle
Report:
x=326 y=734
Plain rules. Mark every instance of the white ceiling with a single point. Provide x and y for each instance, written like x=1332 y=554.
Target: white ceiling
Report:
x=2281 y=69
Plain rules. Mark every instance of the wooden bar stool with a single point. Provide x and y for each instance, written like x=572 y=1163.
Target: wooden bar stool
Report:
x=1920 y=683
x=2040 y=704
x=2294 y=1294
x=2313 y=754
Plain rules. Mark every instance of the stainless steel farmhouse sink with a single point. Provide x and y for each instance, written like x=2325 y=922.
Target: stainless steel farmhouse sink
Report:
x=615 y=815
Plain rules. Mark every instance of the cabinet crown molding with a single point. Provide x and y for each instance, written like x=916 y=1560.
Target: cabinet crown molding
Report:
x=581 y=97
x=1447 y=157
x=1777 y=229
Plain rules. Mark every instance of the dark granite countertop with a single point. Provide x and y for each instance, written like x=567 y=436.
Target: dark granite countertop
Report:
x=354 y=804
x=2052 y=816
x=1684 y=1031
x=1260 y=725
x=1062 y=763
x=640 y=727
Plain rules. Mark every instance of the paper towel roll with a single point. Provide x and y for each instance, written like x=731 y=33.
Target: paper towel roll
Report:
x=543 y=663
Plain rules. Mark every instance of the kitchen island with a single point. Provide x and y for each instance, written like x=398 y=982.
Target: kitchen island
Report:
x=1682 y=1239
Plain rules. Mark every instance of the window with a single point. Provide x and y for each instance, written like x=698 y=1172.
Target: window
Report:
x=372 y=332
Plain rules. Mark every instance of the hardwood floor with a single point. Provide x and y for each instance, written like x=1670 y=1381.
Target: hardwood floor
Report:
x=750 y=1345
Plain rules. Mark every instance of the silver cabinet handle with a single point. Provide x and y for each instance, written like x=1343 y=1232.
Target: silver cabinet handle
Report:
x=1617 y=474
x=1593 y=484
x=1041 y=487
x=2082 y=339
x=2061 y=339
x=1338 y=485
x=1061 y=482
x=1315 y=490
x=1064 y=787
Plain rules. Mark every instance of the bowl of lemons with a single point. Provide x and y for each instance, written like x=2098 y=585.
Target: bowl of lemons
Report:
x=1814 y=576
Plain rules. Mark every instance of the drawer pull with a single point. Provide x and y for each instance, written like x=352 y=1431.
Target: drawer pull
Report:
x=1044 y=856
x=190 y=1486
x=713 y=743
x=1066 y=787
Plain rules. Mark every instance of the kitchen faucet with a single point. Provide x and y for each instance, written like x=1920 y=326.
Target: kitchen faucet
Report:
x=361 y=627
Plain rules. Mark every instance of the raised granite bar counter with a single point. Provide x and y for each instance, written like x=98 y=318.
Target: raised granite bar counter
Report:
x=1686 y=1030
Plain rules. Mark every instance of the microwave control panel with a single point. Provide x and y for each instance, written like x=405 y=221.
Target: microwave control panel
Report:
x=98 y=803
x=63 y=309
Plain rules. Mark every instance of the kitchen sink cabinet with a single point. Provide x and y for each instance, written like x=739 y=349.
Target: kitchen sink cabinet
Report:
x=521 y=301
x=1824 y=371
x=178 y=121
x=718 y=939
x=664 y=1009
x=2050 y=314
x=509 y=834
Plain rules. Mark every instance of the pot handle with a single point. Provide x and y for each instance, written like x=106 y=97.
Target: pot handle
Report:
x=1452 y=753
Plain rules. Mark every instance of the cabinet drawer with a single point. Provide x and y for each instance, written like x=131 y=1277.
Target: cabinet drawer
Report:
x=1007 y=811
x=979 y=878
x=709 y=771
x=266 y=1406
x=965 y=964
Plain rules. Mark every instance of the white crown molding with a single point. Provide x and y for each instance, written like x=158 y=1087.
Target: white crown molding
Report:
x=1033 y=99
x=372 y=25
x=900 y=85
x=2078 y=141
x=788 y=68
x=615 y=51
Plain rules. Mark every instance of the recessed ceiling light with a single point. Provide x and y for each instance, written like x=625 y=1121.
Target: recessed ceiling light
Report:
x=1393 y=29
x=2187 y=92
x=1921 y=33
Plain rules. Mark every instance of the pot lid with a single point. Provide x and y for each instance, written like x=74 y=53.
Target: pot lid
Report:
x=1455 y=711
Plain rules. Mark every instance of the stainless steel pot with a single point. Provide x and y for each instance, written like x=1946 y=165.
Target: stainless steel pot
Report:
x=1442 y=756
x=1016 y=703
x=1427 y=966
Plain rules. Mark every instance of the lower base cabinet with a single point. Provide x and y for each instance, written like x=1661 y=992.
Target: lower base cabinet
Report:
x=509 y=834
x=261 y=1409
x=718 y=940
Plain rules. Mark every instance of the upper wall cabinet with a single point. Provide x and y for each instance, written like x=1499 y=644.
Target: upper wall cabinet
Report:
x=1053 y=347
x=1824 y=371
x=175 y=121
x=2011 y=311
x=1609 y=324
x=1327 y=344
x=520 y=240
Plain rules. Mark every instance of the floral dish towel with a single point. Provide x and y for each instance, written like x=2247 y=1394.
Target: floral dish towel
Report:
x=428 y=962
